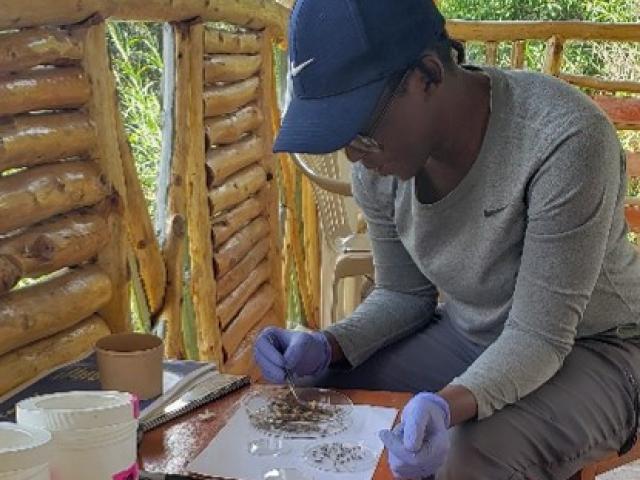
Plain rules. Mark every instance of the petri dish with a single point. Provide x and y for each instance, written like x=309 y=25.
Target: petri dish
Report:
x=285 y=474
x=340 y=457
x=267 y=447
x=320 y=413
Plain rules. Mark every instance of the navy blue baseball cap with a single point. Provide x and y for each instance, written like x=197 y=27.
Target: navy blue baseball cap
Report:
x=342 y=53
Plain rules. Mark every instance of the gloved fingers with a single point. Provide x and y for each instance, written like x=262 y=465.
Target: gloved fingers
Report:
x=415 y=430
x=298 y=349
x=267 y=344
x=395 y=445
x=272 y=373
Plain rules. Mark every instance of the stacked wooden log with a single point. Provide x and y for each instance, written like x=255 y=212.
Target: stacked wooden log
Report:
x=58 y=205
x=242 y=196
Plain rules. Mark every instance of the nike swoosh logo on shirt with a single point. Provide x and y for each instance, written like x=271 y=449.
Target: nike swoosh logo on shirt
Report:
x=490 y=212
x=295 y=70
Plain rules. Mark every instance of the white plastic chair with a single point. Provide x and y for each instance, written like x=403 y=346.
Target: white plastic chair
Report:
x=346 y=251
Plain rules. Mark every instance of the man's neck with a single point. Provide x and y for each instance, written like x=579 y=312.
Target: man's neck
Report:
x=465 y=122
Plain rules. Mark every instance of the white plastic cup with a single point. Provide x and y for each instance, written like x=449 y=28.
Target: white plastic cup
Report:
x=94 y=433
x=24 y=453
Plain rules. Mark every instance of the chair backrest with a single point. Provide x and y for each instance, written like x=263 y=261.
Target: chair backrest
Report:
x=330 y=189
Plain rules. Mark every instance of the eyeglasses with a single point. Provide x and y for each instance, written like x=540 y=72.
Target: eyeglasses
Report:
x=364 y=141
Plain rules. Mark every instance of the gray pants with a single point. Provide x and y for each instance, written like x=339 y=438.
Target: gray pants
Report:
x=588 y=410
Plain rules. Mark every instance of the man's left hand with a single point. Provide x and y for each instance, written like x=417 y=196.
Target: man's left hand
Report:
x=418 y=445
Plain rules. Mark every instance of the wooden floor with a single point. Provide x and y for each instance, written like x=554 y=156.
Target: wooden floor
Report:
x=627 y=472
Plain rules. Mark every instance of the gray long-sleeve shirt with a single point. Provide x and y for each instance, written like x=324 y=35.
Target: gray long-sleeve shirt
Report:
x=528 y=252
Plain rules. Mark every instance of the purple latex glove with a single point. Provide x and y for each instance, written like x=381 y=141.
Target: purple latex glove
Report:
x=301 y=353
x=418 y=445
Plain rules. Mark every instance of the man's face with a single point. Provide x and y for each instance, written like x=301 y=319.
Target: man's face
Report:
x=403 y=138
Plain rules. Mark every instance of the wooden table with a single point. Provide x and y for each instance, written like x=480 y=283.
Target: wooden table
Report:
x=171 y=447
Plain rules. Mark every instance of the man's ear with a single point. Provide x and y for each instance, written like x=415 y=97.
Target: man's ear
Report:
x=431 y=69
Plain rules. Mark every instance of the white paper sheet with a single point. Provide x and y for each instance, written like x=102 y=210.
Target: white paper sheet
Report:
x=227 y=455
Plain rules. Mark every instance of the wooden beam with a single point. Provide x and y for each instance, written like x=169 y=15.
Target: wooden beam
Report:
x=596 y=83
x=23 y=364
x=218 y=41
x=38 y=193
x=173 y=251
x=234 y=302
x=203 y=284
x=224 y=226
x=235 y=249
x=35 y=312
x=248 y=13
x=252 y=312
x=103 y=111
x=46 y=89
x=242 y=361
x=252 y=14
x=10 y=272
x=222 y=162
x=230 y=68
x=623 y=112
x=220 y=100
x=237 y=188
x=229 y=282
x=63 y=241
x=39 y=46
x=230 y=128
x=29 y=140
x=501 y=31
x=142 y=237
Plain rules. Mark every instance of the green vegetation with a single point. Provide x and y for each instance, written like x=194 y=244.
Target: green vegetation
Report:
x=136 y=53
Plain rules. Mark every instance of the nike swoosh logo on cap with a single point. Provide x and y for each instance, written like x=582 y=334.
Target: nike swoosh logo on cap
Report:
x=295 y=70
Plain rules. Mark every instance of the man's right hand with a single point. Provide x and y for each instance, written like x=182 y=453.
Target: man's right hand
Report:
x=302 y=354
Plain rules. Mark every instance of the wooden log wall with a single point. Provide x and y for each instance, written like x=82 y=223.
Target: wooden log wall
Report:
x=62 y=267
x=238 y=88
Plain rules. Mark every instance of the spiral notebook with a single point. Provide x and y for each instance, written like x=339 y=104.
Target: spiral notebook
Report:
x=209 y=387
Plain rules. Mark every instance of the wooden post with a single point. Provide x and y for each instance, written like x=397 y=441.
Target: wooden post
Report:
x=518 y=53
x=553 y=59
x=174 y=168
x=103 y=111
x=203 y=284
x=491 y=53
x=269 y=103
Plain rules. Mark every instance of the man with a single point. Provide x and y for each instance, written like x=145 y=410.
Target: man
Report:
x=503 y=193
